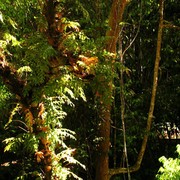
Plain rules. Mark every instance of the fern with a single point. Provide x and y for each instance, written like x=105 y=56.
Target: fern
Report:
x=59 y=135
x=5 y=95
x=23 y=142
x=29 y=52
x=38 y=52
x=67 y=159
x=13 y=112
x=10 y=38
x=10 y=144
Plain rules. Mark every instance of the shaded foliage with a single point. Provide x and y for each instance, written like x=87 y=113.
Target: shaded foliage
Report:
x=71 y=102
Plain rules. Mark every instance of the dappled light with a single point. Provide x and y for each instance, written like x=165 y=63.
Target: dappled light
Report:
x=89 y=90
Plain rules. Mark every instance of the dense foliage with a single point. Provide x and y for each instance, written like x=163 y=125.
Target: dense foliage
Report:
x=170 y=168
x=58 y=76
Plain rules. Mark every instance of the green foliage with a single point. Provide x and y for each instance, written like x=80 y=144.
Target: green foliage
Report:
x=13 y=112
x=103 y=82
x=28 y=50
x=85 y=23
x=27 y=143
x=58 y=135
x=10 y=38
x=65 y=156
x=1 y=17
x=54 y=114
x=171 y=167
x=20 y=16
x=37 y=52
x=5 y=95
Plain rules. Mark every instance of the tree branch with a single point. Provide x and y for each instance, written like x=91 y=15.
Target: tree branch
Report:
x=152 y=103
x=171 y=26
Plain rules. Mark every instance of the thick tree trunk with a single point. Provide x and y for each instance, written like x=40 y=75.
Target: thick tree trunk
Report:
x=115 y=18
x=102 y=159
x=104 y=128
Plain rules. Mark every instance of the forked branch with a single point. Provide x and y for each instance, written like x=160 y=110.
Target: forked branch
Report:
x=152 y=103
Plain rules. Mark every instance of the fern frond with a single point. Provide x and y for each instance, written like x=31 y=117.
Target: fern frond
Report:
x=66 y=156
x=14 y=111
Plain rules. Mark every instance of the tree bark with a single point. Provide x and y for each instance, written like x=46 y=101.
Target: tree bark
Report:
x=102 y=159
x=115 y=18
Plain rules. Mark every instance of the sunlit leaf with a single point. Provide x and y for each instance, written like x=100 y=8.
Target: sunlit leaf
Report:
x=13 y=23
x=1 y=17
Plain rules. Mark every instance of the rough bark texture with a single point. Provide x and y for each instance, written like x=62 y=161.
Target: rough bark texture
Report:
x=115 y=18
x=152 y=103
x=102 y=160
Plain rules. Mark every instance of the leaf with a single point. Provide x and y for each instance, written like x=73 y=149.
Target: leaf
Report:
x=74 y=25
x=1 y=17
x=9 y=143
x=82 y=94
x=10 y=38
x=24 y=69
x=13 y=23
x=69 y=91
x=29 y=119
x=67 y=156
x=39 y=155
x=14 y=111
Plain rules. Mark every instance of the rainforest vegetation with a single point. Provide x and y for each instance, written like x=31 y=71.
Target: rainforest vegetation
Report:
x=89 y=89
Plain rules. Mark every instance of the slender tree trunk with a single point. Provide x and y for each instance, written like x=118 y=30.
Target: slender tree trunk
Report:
x=155 y=84
x=122 y=108
x=152 y=103
x=102 y=159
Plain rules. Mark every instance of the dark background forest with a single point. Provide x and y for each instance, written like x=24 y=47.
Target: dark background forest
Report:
x=76 y=88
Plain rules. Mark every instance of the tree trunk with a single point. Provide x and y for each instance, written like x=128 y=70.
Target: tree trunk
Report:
x=115 y=18
x=152 y=103
x=44 y=155
x=32 y=112
x=122 y=108
x=155 y=84
x=102 y=159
